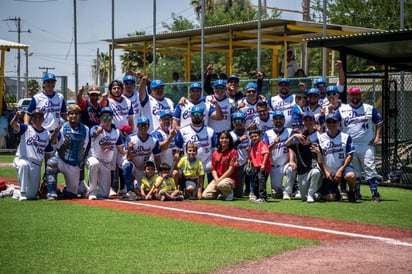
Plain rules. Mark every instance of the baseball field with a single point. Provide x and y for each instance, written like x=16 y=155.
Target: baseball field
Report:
x=112 y=236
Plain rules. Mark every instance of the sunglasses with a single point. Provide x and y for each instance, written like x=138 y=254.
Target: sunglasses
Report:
x=197 y=114
x=129 y=83
x=331 y=121
x=105 y=118
x=238 y=121
x=331 y=93
x=73 y=113
x=251 y=91
x=143 y=125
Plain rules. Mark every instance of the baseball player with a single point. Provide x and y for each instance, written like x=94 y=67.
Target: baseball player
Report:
x=34 y=143
x=104 y=141
x=131 y=94
x=140 y=146
x=50 y=102
x=71 y=146
x=226 y=105
x=154 y=103
x=284 y=101
x=276 y=138
x=359 y=120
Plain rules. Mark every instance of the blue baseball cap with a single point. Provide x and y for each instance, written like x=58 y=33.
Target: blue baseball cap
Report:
x=233 y=78
x=49 y=77
x=238 y=115
x=197 y=109
x=332 y=116
x=278 y=113
x=106 y=110
x=251 y=86
x=129 y=78
x=156 y=84
x=195 y=85
x=220 y=84
x=314 y=91
x=308 y=115
x=143 y=120
x=166 y=112
x=332 y=90
x=320 y=82
x=283 y=81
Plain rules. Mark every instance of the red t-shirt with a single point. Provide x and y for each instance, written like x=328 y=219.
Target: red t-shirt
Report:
x=257 y=154
x=221 y=161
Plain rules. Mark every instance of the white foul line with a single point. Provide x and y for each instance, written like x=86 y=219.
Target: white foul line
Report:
x=349 y=234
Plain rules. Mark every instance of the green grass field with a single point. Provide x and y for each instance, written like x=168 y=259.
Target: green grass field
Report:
x=54 y=237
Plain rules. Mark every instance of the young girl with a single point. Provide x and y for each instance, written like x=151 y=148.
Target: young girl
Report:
x=262 y=162
x=224 y=164
x=189 y=171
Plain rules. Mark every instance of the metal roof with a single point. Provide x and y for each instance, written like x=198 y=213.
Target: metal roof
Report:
x=274 y=33
x=4 y=44
x=392 y=48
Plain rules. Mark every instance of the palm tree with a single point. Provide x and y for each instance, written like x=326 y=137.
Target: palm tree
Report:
x=104 y=64
x=131 y=59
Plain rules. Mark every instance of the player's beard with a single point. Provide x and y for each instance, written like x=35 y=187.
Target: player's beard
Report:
x=278 y=127
x=197 y=121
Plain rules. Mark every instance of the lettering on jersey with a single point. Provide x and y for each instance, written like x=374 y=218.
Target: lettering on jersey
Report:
x=186 y=114
x=141 y=151
x=119 y=110
x=355 y=118
x=38 y=143
x=158 y=108
x=332 y=148
x=200 y=142
x=50 y=107
x=107 y=143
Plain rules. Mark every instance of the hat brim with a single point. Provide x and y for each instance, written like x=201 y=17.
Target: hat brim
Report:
x=220 y=87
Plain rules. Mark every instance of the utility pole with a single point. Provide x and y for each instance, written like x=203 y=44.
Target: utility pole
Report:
x=18 y=20
x=47 y=69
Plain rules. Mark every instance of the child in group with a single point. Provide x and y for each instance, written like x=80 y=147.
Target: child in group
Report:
x=164 y=188
x=297 y=111
x=148 y=180
x=189 y=171
x=262 y=162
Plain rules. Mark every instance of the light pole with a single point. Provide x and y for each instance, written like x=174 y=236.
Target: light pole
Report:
x=26 y=78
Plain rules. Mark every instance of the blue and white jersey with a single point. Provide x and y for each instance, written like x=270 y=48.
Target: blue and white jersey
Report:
x=262 y=125
x=316 y=113
x=135 y=102
x=241 y=148
x=142 y=150
x=249 y=110
x=183 y=113
x=151 y=108
x=72 y=143
x=121 y=111
x=285 y=105
x=226 y=105
x=33 y=144
x=51 y=106
x=335 y=149
x=280 y=152
x=314 y=136
x=359 y=122
x=166 y=156
x=103 y=146
x=204 y=138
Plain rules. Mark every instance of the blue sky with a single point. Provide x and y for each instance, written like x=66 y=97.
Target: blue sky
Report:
x=51 y=26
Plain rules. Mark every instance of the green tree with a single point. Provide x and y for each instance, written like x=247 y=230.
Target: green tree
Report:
x=131 y=59
x=103 y=63
x=33 y=87
x=179 y=23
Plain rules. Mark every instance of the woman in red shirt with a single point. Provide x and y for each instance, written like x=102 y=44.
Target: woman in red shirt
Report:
x=224 y=164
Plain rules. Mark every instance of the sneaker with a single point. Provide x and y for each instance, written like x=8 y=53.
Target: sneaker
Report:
x=16 y=194
x=82 y=189
x=92 y=197
x=310 y=199
x=260 y=201
x=51 y=197
x=252 y=196
x=229 y=197
x=122 y=191
x=112 y=192
x=376 y=197
x=317 y=196
x=219 y=197
x=286 y=196
x=130 y=196
x=8 y=192
x=178 y=198
x=298 y=195
x=162 y=197
x=23 y=196
x=343 y=196
x=352 y=196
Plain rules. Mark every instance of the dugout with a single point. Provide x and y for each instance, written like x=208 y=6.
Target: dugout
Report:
x=390 y=53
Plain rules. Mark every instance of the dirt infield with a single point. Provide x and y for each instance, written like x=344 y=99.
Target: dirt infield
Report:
x=345 y=246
